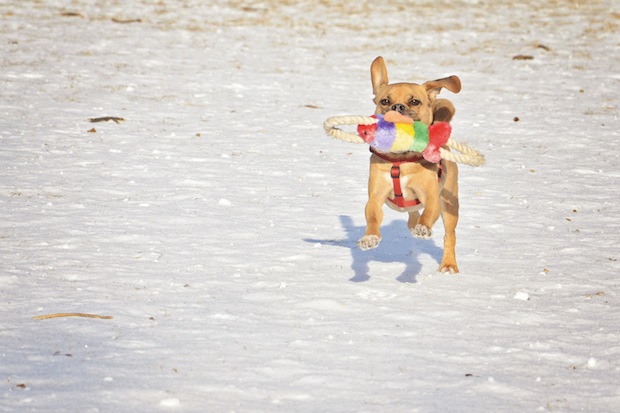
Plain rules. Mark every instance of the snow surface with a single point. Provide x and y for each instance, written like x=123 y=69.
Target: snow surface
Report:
x=217 y=223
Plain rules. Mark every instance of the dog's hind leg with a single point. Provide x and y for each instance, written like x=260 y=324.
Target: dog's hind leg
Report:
x=450 y=216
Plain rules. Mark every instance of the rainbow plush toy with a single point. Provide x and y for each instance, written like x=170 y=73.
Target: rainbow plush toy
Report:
x=394 y=132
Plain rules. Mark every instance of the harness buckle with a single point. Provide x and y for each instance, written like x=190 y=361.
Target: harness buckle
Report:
x=395 y=172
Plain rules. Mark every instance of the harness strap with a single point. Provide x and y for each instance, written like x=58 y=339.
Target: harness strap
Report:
x=399 y=199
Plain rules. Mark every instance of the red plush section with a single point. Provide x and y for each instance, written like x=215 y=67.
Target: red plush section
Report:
x=439 y=133
x=367 y=132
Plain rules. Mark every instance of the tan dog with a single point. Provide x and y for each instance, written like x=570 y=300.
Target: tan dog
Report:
x=418 y=178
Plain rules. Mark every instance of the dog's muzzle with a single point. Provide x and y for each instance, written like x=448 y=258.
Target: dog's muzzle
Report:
x=402 y=109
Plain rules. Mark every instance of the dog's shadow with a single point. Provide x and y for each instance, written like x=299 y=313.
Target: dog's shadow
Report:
x=397 y=245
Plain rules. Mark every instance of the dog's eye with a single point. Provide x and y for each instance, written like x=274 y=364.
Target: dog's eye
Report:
x=384 y=102
x=414 y=102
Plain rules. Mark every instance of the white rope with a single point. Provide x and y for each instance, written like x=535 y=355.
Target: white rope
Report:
x=331 y=129
x=467 y=155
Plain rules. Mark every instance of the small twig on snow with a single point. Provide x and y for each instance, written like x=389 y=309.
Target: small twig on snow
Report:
x=105 y=119
x=58 y=315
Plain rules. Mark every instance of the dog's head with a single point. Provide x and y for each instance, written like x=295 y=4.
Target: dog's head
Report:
x=418 y=102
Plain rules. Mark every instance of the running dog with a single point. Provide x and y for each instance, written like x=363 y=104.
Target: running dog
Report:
x=405 y=181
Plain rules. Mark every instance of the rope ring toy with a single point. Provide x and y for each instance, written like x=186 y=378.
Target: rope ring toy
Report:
x=397 y=133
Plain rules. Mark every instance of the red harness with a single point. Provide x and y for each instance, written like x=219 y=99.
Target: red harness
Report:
x=399 y=199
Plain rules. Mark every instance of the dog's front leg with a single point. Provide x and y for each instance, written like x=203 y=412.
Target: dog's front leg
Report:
x=379 y=187
x=424 y=226
x=429 y=196
x=374 y=217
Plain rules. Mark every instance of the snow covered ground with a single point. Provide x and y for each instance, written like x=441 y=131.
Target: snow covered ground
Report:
x=217 y=223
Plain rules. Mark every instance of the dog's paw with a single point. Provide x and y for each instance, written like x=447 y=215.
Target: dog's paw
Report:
x=421 y=231
x=448 y=268
x=368 y=242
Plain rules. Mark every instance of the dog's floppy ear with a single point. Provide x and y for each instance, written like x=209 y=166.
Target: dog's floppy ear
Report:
x=443 y=110
x=452 y=83
x=378 y=74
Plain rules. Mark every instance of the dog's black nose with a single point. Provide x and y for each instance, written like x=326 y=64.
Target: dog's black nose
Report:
x=400 y=108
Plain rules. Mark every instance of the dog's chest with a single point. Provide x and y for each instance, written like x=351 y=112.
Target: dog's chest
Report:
x=399 y=184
